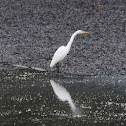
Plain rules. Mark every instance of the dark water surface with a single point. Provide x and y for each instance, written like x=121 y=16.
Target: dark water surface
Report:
x=32 y=98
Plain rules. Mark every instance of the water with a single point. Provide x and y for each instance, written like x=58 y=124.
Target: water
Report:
x=32 y=98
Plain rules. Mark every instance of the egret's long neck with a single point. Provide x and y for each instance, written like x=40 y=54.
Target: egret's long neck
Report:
x=71 y=40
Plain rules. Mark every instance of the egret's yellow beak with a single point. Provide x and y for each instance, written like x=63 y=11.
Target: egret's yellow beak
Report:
x=85 y=32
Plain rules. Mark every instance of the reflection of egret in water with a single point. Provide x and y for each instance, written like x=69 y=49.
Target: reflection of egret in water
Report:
x=64 y=95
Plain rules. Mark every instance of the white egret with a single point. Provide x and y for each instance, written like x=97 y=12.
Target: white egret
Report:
x=62 y=51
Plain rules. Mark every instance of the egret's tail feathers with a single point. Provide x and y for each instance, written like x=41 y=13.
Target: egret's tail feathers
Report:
x=51 y=65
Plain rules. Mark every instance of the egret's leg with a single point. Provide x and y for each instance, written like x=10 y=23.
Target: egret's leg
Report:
x=57 y=68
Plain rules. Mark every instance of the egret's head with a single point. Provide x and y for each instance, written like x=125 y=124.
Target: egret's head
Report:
x=81 y=32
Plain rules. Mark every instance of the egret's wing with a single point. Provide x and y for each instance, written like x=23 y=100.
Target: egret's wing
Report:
x=60 y=50
x=58 y=55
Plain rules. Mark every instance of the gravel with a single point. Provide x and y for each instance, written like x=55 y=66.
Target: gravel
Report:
x=31 y=31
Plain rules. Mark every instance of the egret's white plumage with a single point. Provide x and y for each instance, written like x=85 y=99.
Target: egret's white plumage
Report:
x=62 y=51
